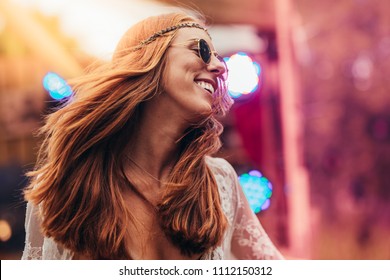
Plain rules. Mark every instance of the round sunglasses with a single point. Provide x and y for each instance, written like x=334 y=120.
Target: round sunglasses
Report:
x=205 y=53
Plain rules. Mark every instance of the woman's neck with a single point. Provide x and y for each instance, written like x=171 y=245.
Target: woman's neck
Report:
x=155 y=146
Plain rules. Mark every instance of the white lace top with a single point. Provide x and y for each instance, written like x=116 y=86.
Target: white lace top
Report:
x=245 y=238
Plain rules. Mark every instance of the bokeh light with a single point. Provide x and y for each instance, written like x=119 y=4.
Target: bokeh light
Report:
x=257 y=189
x=244 y=74
x=56 y=86
x=5 y=231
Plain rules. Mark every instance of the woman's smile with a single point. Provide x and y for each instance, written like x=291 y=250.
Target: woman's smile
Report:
x=206 y=85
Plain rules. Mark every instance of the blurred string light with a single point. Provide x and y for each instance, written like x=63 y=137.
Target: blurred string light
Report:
x=244 y=74
x=257 y=190
x=56 y=86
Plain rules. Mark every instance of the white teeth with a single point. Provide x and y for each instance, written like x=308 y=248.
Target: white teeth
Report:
x=207 y=86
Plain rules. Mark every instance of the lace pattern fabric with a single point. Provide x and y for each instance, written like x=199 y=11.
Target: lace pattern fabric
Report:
x=245 y=238
x=32 y=253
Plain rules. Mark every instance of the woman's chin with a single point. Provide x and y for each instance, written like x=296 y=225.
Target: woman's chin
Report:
x=201 y=115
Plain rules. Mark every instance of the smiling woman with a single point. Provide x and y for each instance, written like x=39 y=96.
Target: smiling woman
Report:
x=126 y=171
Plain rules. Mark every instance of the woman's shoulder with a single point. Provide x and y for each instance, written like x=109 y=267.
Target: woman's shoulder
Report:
x=219 y=164
x=226 y=179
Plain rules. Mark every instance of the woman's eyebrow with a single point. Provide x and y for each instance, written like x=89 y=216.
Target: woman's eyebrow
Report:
x=193 y=42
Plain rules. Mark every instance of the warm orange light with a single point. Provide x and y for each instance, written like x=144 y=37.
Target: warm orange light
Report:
x=5 y=231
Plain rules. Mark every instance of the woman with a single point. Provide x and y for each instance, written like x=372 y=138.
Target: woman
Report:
x=124 y=171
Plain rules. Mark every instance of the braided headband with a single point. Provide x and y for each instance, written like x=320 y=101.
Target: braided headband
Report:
x=169 y=29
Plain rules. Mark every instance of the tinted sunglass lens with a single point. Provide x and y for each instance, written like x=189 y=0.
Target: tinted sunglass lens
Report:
x=204 y=51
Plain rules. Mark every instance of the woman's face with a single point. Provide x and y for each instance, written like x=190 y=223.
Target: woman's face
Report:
x=189 y=82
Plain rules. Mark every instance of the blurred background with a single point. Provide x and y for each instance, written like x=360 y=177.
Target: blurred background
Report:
x=309 y=134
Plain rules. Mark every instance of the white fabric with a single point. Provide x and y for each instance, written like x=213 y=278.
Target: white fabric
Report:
x=245 y=238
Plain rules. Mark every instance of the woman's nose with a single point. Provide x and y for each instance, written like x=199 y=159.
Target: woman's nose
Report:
x=216 y=66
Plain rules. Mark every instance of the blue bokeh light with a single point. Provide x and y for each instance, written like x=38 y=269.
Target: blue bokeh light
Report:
x=57 y=87
x=257 y=190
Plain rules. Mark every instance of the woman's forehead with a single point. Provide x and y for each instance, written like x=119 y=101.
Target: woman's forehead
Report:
x=185 y=34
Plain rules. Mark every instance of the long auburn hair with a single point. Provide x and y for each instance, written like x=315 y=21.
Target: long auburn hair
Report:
x=78 y=180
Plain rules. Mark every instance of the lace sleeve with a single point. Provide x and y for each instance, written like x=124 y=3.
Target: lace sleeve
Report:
x=34 y=238
x=249 y=239
x=245 y=237
x=37 y=246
